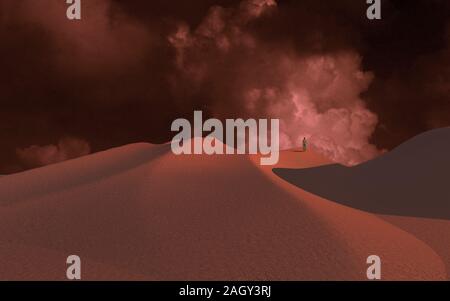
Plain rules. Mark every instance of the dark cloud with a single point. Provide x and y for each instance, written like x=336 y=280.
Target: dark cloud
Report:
x=116 y=78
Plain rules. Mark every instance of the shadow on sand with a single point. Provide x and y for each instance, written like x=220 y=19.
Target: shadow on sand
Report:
x=412 y=180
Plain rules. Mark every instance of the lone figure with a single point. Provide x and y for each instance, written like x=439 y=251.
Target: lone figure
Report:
x=305 y=144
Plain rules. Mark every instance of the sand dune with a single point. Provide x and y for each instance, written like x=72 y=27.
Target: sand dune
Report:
x=412 y=180
x=140 y=212
x=434 y=232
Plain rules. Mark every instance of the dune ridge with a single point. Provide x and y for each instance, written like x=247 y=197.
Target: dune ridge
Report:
x=412 y=180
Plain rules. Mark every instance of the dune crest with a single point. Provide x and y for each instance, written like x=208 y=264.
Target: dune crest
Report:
x=412 y=180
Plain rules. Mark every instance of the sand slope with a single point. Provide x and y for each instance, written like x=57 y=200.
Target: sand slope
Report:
x=139 y=212
x=412 y=180
x=434 y=232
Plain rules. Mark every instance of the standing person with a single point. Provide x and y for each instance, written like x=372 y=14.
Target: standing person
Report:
x=305 y=144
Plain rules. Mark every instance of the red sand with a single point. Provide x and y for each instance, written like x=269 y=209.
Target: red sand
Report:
x=139 y=212
x=434 y=232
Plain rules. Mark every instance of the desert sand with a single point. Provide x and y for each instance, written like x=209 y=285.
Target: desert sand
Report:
x=139 y=212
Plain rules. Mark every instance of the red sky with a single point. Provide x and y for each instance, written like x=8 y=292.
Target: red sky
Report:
x=129 y=68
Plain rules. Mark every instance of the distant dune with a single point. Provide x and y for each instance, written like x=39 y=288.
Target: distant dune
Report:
x=412 y=180
x=140 y=212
